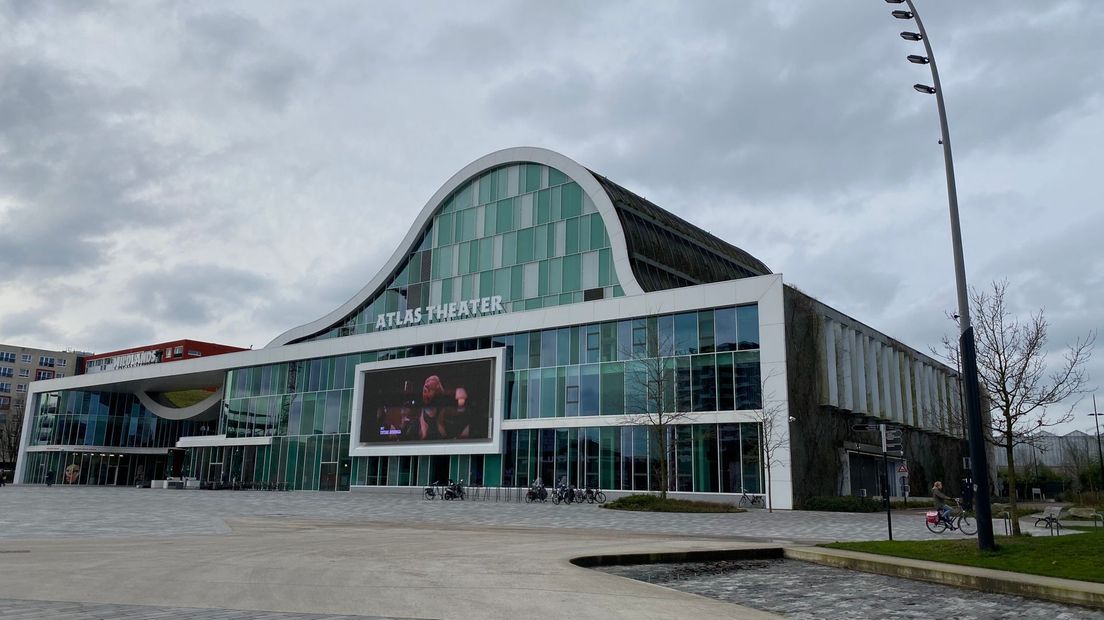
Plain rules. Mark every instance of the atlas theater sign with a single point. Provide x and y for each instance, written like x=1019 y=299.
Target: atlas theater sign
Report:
x=467 y=309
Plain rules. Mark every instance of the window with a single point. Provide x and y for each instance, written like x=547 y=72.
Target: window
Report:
x=19 y=403
x=194 y=353
x=20 y=387
x=5 y=402
x=7 y=356
x=42 y=375
x=26 y=358
x=24 y=372
x=178 y=351
x=46 y=360
x=6 y=371
x=60 y=375
x=61 y=362
x=5 y=387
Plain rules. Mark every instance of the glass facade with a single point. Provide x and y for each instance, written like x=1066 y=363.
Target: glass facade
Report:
x=708 y=361
x=524 y=232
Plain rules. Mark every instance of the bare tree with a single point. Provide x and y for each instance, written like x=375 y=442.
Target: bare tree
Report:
x=652 y=401
x=10 y=431
x=1016 y=380
x=774 y=432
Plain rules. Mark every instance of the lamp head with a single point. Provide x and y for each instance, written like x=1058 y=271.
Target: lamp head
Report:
x=922 y=88
x=918 y=60
x=902 y=14
x=911 y=36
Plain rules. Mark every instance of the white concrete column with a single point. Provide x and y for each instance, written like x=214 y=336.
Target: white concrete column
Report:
x=906 y=389
x=843 y=364
x=862 y=404
x=831 y=392
x=872 y=391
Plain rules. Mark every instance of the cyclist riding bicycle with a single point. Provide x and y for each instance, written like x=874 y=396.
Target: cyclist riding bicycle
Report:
x=940 y=499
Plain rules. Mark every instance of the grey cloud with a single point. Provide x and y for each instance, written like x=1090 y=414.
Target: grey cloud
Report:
x=115 y=334
x=195 y=294
x=236 y=52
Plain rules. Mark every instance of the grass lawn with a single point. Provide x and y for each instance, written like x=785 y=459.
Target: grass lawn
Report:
x=1076 y=556
x=653 y=503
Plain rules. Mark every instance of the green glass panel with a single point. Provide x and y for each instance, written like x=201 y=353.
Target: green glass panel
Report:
x=474 y=262
x=555 y=177
x=486 y=283
x=571 y=201
x=464 y=259
x=486 y=188
x=613 y=389
x=502 y=282
x=446 y=290
x=444 y=229
x=533 y=304
x=572 y=272
x=532 y=177
x=505 y=215
x=605 y=267
x=463 y=198
x=542 y=278
x=486 y=253
x=525 y=245
x=466 y=286
x=597 y=232
x=550 y=233
x=540 y=242
x=490 y=220
x=555 y=276
x=502 y=183
x=509 y=249
x=544 y=206
x=556 y=193
x=517 y=282
x=492 y=470
x=571 y=230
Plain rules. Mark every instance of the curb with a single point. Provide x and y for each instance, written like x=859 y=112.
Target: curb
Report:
x=1067 y=591
x=671 y=557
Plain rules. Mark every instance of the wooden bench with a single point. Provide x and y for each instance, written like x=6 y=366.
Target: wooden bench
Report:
x=1081 y=512
x=1050 y=517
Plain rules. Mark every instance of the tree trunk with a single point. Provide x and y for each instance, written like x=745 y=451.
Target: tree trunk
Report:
x=663 y=482
x=770 y=506
x=1011 y=484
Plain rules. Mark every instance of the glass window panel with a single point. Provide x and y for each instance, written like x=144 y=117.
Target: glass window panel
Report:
x=556 y=191
x=489 y=220
x=532 y=177
x=605 y=268
x=572 y=273
x=525 y=245
x=705 y=331
x=509 y=249
x=724 y=321
x=590 y=270
x=505 y=214
x=749 y=449
x=486 y=283
x=498 y=251
x=588 y=389
x=517 y=282
x=686 y=333
x=540 y=242
x=532 y=280
x=444 y=229
x=571 y=236
x=548 y=393
x=486 y=253
x=613 y=388
x=704 y=383
x=597 y=232
x=544 y=206
x=526 y=206
x=560 y=231
x=555 y=177
x=726 y=374
x=748 y=387
x=555 y=276
x=502 y=282
x=571 y=201
x=747 y=326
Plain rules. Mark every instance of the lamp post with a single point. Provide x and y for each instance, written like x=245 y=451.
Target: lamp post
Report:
x=978 y=461
x=1099 y=453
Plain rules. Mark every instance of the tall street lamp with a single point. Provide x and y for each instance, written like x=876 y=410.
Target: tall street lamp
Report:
x=1099 y=453
x=978 y=461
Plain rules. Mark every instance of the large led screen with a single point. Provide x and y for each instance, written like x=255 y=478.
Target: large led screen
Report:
x=428 y=403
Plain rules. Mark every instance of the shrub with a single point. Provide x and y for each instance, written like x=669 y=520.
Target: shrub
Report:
x=846 y=503
x=654 y=503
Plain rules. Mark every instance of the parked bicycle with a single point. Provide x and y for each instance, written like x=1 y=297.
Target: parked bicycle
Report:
x=433 y=491
x=751 y=501
x=592 y=496
x=959 y=519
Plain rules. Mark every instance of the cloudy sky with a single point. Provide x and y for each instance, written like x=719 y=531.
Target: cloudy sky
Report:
x=225 y=171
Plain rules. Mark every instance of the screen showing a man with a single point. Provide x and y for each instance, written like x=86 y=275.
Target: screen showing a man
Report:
x=454 y=405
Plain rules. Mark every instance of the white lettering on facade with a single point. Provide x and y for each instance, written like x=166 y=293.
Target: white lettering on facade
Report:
x=441 y=312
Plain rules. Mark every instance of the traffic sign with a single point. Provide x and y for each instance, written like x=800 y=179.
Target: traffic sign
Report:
x=864 y=428
x=902 y=468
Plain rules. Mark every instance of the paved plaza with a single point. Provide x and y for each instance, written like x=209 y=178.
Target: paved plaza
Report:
x=94 y=552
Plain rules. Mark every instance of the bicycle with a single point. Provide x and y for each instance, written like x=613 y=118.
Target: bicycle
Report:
x=959 y=519
x=433 y=491
x=751 y=501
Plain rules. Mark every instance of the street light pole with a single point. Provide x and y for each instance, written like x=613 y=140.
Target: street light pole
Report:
x=978 y=462
x=1099 y=453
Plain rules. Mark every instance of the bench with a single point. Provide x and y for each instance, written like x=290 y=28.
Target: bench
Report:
x=1086 y=513
x=1050 y=517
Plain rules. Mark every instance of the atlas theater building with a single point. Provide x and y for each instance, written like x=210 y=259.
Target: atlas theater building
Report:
x=534 y=313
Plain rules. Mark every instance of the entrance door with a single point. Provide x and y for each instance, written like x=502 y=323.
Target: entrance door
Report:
x=327 y=477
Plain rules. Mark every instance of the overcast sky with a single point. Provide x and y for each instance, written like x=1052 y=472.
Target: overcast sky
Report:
x=226 y=171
